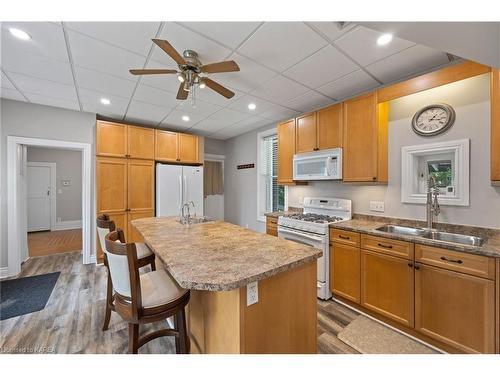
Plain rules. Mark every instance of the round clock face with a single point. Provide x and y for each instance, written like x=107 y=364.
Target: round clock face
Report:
x=433 y=119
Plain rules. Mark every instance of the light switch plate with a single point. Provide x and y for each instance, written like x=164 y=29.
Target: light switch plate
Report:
x=377 y=206
x=252 y=293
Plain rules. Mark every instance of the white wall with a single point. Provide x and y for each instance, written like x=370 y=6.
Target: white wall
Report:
x=68 y=167
x=39 y=121
x=470 y=98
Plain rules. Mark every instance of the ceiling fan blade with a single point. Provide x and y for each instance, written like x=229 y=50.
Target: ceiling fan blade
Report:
x=137 y=72
x=218 y=88
x=221 y=67
x=181 y=93
x=171 y=51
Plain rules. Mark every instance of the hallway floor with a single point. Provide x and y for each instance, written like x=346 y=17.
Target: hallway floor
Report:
x=54 y=242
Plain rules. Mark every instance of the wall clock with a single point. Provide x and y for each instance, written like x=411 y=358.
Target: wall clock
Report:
x=433 y=119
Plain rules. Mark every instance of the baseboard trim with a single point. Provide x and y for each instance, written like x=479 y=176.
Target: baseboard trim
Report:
x=70 y=224
x=4 y=272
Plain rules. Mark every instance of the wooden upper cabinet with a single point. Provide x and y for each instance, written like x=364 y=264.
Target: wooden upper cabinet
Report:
x=365 y=135
x=306 y=133
x=140 y=187
x=111 y=139
x=329 y=124
x=141 y=142
x=111 y=181
x=495 y=125
x=166 y=145
x=286 y=150
x=188 y=148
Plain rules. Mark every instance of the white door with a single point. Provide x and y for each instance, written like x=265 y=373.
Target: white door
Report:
x=39 y=198
x=168 y=189
x=193 y=189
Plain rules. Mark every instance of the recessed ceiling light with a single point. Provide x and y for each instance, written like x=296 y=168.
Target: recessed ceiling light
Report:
x=105 y=101
x=20 y=34
x=185 y=118
x=252 y=106
x=384 y=39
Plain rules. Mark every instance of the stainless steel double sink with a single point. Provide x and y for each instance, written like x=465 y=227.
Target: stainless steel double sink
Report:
x=432 y=234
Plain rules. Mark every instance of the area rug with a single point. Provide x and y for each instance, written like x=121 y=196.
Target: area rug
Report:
x=26 y=294
x=370 y=337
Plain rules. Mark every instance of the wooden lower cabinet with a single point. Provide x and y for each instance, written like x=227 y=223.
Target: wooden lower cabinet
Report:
x=387 y=286
x=272 y=226
x=345 y=271
x=455 y=308
x=132 y=234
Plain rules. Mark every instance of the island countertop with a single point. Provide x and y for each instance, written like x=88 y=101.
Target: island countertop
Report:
x=217 y=255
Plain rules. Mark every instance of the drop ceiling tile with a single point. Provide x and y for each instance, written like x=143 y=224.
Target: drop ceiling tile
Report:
x=19 y=61
x=242 y=105
x=202 y=108
x=324 y=66
x=351 y=84
x=210 y=125
x=133 y=36
x=411 y=61
x=166 y=82
x=278 y=113
x=175 y=119
x=361 y=45
x=228 y=33
x=11 y=94
x=91 y=101
x=42 y=87
x=183 y=39
x=47 y=40
x=332 y=30
x=213 y=97
x=250 y=76
x=280 y=90
x=155 y=96
x=146 y=113
x=5 y=83
x=229 y=116
x=94 y=54
x=94 y=80
x=280 y=45
x=309 y=101
x=60 y=103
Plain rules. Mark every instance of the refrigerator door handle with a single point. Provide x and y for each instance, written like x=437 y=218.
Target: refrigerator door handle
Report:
x=185 y=190
x=181 y=200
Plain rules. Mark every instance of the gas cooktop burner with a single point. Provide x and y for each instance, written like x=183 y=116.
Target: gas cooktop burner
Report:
x=315 y=218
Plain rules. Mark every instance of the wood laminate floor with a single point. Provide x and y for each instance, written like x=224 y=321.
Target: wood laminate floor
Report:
x=54 y=242
x=72 y=320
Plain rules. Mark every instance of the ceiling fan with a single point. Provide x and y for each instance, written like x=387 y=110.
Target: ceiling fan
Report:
x=190 y=70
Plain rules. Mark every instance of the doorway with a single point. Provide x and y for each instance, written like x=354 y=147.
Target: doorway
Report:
x=213 y=186
x=40 y=190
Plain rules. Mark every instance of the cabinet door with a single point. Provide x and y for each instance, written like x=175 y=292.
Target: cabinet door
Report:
x=286 y=150
x=120 y=219
x=141 y=185
x=360 y=139
x=345 y=271
x=111 y=176
x=387 y=286
x=166 y=145
x=141 y=142
x=111 y=139
x=133 y=234
x=272 y=226
x=455 y=308
x=495 y=124
x=188 y=148
x=330 y=127
x=306 y=133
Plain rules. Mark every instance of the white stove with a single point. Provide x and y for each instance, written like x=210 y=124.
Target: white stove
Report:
x=312 y=228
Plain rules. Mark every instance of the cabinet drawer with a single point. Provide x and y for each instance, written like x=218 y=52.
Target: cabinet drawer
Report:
x=471 y=264
x=387 y=246
x=344 y=237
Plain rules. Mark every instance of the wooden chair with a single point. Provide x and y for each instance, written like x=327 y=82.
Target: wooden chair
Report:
x=144 y=254
x=146 y=298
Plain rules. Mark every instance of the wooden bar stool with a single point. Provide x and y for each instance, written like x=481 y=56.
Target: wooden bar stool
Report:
x=144 y=255
x=146 y=298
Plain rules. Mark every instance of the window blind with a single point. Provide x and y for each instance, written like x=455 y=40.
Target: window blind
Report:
x=274 y=194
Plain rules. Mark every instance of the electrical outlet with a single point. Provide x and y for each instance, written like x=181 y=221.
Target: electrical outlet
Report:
x=252 y=293
x=377 y=206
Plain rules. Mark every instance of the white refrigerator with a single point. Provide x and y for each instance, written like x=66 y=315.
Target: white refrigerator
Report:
x=176 y=185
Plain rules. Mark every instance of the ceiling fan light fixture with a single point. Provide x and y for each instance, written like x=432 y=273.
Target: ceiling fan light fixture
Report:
x=181 y=77
x=202 y=84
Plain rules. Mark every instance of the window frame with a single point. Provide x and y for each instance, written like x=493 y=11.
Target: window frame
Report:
x=260 y=192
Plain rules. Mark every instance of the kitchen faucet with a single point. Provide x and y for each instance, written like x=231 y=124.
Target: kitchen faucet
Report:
x=186 y=219
x=432 y=201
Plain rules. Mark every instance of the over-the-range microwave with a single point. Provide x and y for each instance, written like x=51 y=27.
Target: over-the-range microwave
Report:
x=318 y=165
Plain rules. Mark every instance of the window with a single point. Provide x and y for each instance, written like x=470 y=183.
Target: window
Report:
x=271 y=196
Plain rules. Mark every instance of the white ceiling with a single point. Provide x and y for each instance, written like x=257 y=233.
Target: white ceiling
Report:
x=286 y=68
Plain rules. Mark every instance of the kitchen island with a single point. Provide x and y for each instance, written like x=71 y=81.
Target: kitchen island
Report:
x=217 y=261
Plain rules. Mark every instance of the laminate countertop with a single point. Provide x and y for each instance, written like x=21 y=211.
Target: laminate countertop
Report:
x=219 y=256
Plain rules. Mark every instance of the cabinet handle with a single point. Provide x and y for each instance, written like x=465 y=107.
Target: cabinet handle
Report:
x=417 y=267
x=374 y=178
x=344 y=237
x=452 y=260
x=385 y=246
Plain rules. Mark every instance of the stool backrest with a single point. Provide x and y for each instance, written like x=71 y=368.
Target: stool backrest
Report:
x=104 y=226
